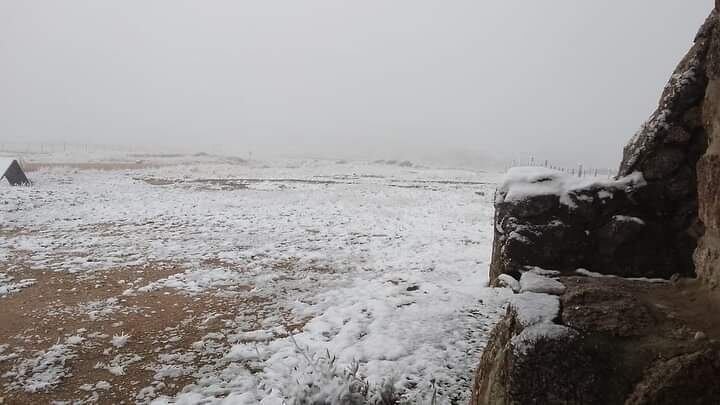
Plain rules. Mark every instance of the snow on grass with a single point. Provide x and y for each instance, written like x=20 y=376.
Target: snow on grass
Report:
x=100 y=309
x=383 y=269
x=119 y=341
x=119 y=364
x=102 y=385
x=42 y=372
x=74 y=340
x=6 y=356
x=8 y=286
x=193 y=281
x=243 y=352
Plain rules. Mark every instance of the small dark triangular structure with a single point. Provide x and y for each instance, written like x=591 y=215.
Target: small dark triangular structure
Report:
x=11 y=170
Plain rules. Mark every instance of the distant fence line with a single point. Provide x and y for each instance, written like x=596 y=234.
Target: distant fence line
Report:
x=20 y=148
x=580 y=170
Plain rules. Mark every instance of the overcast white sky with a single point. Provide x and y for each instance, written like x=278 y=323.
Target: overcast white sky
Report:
x=565 y=79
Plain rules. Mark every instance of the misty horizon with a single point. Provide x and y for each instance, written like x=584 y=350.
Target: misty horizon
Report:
x=491 y=80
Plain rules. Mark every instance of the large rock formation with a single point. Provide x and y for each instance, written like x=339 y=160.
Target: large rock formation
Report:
x=588 y=333
x=605 y=340
x=585 y=226
x=580 y=227
x=707 y=255
x=552 y=220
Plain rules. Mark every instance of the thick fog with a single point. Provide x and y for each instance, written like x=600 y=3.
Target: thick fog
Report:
x=566 y=80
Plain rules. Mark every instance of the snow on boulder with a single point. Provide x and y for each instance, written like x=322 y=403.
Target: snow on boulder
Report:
x=542 y=272
x=529 y=355
x=626 y=218
x=533 y=282
x=533 y=308
x=522 y=183
x=528 y=338
x=593 y=274
x=551 y=219
x=508 y=281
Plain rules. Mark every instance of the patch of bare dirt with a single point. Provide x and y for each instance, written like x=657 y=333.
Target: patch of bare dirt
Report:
x=41 y=315
x=158 y=181
x=692 y=302
x=12 y=232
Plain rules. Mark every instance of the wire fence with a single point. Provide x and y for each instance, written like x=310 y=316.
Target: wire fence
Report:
x=21 y=149
x=580 y=170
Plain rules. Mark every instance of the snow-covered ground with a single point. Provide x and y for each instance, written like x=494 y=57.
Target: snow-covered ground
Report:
x=294 y=279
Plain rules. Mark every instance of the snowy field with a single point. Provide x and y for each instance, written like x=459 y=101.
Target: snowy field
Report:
x=178 y=280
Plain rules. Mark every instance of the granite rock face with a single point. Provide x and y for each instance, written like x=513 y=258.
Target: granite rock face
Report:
x=612 y=341
x=681 y=379
x=605 y=338
x=599 y=225
x=649 y=221
x=707 y=255
x=527 y=360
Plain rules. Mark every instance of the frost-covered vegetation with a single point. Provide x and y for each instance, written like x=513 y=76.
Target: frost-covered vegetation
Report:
x=264 y=282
